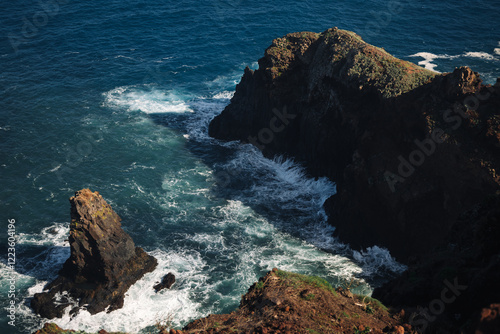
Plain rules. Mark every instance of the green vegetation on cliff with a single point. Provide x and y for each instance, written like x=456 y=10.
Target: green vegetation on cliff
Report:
x=357 y=63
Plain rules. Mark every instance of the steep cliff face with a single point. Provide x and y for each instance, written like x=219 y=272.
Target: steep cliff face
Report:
x=103 y=264
x=410 y=150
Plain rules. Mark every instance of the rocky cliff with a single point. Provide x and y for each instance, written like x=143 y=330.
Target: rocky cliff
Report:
x=415 y=156
x=409 y=149
x=103 y=264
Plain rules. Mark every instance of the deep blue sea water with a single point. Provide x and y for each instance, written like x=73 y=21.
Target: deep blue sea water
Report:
x=116 y=96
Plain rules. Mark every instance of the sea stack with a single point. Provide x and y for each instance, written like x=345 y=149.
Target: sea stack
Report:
x=103 y=264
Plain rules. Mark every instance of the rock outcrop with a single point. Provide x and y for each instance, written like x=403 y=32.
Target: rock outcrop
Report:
x=166 y=282
x=284 y=302
x=415 y=156
x=409 y=149
x=103 y=264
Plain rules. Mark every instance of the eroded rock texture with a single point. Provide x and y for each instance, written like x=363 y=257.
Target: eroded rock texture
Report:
x=104 y=261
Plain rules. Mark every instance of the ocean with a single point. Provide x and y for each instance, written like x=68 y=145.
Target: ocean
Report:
x=116 y=96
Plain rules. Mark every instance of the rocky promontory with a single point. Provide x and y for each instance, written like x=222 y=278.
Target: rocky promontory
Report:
x=409 y=149
x=415 y=155
x=103 y=264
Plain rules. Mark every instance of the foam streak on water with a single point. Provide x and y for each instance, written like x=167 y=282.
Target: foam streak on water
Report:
x=429 y=58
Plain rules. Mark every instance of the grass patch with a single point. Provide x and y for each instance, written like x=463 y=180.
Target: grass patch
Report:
x=299 y=279
x=366 y=330
x=374 y=304
x=312 y=331
x=310 y=296
x=259 y=285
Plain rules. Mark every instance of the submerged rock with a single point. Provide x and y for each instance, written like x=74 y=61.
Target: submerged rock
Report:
x=103 y=264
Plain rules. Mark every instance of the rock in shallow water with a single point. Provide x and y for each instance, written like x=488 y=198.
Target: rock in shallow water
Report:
x=167 y=281
x=103 y=264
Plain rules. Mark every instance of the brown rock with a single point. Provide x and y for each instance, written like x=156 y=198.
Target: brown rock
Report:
x=399 y=330
x=103 y=264
x=489 y=320
x=49 y=328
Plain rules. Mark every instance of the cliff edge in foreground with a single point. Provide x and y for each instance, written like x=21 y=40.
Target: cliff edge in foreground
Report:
x=284 y=302
x=409 y=149
x=103 y=264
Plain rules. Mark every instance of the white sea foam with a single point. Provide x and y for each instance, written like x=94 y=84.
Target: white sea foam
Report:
x=285 y=183
x=276 y=248
x=56 y=252
x=55 y=234
x=147 y=99
x=376 y=259
x=480 y=55
x=225 y=95
x=429 y=58
x=143 y=307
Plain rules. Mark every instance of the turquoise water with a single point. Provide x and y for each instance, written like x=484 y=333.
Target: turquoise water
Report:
x=116 y=97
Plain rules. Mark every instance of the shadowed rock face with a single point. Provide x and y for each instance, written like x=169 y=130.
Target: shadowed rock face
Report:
x=103 y=264
x=409 y=149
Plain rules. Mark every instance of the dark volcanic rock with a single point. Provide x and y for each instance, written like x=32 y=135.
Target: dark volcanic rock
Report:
x=489 y=320
x=409 y=149
x=462 y=276
x=167 y=281
x=103 y=264
x=415 y=156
